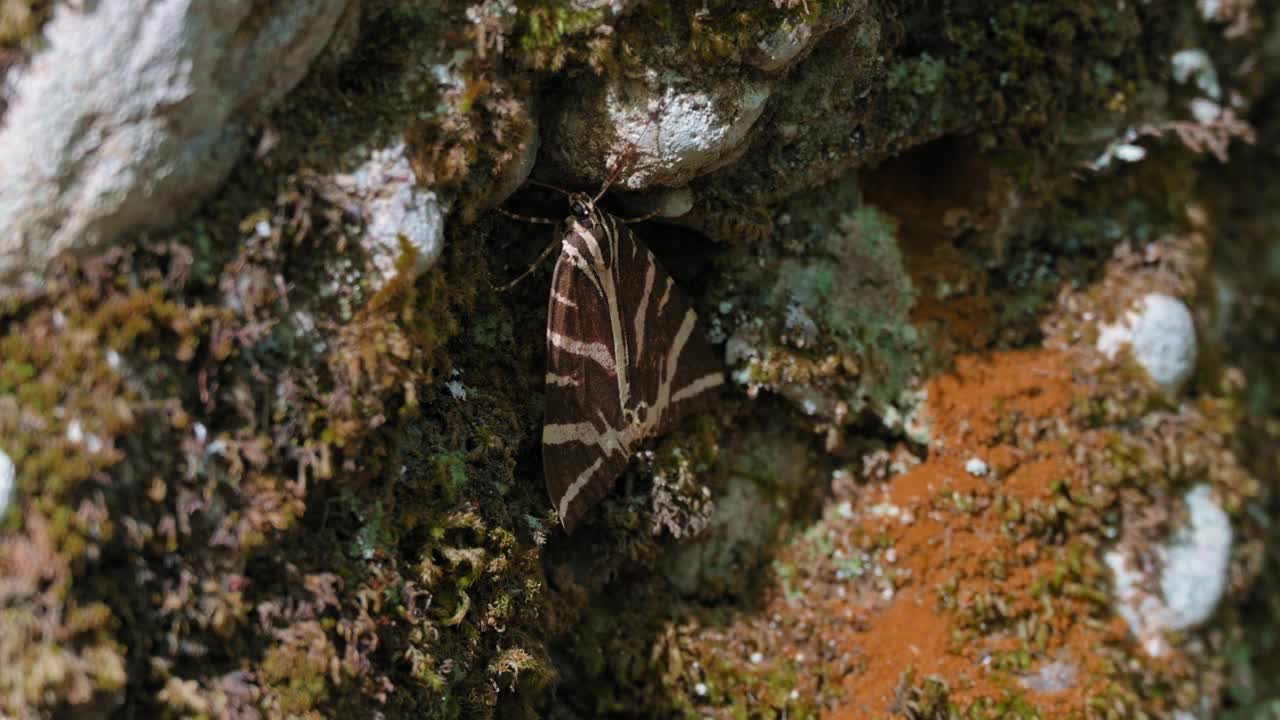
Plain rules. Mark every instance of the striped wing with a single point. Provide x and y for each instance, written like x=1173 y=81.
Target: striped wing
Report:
x=626 y=360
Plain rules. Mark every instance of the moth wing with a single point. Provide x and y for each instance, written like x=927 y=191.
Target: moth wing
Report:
x=580 y=454
x=627 y=358
x=674 y=371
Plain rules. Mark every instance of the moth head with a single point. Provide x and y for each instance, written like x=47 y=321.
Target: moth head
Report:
x=581 y=208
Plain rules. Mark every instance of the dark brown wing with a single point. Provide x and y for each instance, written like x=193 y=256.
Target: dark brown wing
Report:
x=626 y=359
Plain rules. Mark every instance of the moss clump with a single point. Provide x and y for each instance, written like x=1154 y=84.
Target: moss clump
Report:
x=20 y=23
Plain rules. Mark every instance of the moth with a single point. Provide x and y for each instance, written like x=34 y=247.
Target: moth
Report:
x=627 y=356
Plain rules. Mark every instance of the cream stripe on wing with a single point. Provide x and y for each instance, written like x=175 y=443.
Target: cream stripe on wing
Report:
x=673 y=362
x=704 y=383
x=666 y=295
x=593 y=351
x=559 y=434
x=609 y=280
x=583 y=266
x=576 y=487
x=643 y=310
x=608 y=442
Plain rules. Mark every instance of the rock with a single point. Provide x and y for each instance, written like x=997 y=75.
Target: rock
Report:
x=1196 y=559
x=698 y=128
x=384 y=192
x=1193 y=579
x=975 y=467
x=747 y=513
x=712 y=562
x=1195 y=64
x=782 y=47
x=8 y=481
x=674 y=203
x=1162 y=337
x=132 y=114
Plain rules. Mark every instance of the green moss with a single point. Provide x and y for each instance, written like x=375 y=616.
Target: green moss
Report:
x=20 y=22
x=547 y=31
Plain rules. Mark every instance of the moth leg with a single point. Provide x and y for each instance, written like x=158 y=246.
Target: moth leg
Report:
x=527 y=218
x=641 y=218
x=555 y=243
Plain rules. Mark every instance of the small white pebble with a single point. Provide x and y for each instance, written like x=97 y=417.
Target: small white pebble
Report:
x=975 y=467
x=75 y=432
x=8 y=480
x=795 y=695
x=263 y=229
x=799 y=657
x=1129 y=152
x=756 y=658
x=700 y=689
x=891 y=556
x=201 y=432
x=113 y=359
x=1205 y=111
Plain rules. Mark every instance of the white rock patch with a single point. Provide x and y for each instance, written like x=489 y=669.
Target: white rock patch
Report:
x=701 y=127
x=1193 y=579
x=131 y=113
x=392 y=206
x=1162 y=337
x=8 y=481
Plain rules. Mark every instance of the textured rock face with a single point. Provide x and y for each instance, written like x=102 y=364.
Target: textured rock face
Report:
x=1193 y=577
x=297 y=442
x=384 y=192
x=687 y=128
x=7 y=481
x=134 y=113
x=1162 y=337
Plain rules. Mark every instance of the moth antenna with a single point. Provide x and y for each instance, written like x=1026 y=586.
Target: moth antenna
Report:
x=548 y=186
x=629 y=154
x=555 y=242
x=527 y=218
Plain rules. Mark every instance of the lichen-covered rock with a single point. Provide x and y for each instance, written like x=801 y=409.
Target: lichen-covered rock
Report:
x=281 y=459
x=1162 y=337
x=1193 y=568
x=683 y=128
x=399 y=217
x=134 y=112
x=8 y=482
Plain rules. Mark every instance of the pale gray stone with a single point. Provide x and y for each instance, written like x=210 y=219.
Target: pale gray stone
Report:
x=1162 y=337
x=131 y=116
x=384 y=192
x=1193 y=578
x=680 y=129
x=8 y=481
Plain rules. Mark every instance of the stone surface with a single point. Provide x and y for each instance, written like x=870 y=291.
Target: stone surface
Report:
x=1192 y=581
x=680 y=129
x=384 y=192
x=131 y=114
x=1162 y=337
x=8 y=479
